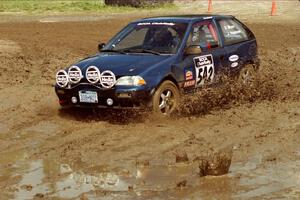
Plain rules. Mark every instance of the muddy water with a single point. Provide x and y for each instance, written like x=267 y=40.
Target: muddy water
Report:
x=66 y=184
x=246 y=180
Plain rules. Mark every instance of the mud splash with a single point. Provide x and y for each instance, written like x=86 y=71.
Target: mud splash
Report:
x=268 y=86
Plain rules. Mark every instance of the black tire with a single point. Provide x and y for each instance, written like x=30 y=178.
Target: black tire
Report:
x=166 y=98
x=248 y=76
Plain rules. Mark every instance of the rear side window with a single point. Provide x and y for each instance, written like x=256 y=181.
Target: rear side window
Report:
x=204 y=34
x=233 y=31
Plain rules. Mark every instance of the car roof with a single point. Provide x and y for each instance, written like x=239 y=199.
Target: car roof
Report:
x=183 y=18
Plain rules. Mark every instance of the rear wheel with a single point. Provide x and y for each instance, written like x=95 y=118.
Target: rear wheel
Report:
x=166 y=98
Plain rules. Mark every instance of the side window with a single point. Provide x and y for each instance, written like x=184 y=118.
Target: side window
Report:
x=203 y=34
x=233 y=31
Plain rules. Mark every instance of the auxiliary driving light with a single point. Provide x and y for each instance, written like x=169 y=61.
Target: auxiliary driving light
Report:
x=74 y=100
x=75 y=74
x=110 y=102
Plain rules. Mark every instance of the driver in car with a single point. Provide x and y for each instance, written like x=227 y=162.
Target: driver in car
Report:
x=161 y=40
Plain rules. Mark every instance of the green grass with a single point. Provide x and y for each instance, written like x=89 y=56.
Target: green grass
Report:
x=70 y=6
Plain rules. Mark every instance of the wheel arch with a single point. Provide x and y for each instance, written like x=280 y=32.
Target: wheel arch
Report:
x=169 y=77
x=254 y=62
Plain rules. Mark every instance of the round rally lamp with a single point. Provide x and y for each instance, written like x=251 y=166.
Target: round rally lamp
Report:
x=75 y=74
x=62 y=78
x=92 y=74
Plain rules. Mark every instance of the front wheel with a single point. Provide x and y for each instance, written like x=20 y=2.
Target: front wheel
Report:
x=166 y=98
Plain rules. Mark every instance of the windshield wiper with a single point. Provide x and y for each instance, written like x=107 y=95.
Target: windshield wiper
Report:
x=141 y=51
x=114 y=51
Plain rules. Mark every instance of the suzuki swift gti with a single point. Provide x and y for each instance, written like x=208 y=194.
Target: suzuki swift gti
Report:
x=152 y=61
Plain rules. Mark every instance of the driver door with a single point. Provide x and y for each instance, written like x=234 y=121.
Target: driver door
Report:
x=202 y=69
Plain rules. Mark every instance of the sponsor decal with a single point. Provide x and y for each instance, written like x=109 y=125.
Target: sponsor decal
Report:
x=233 y=58
x=162 y=23
x=203 y=60
x=205 y=69
x=189 y=83
x=189 y=75
x=143 y=23
x=235 y=64
x=156 y=23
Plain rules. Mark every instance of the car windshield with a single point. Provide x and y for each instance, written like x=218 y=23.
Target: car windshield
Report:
x=148 y=37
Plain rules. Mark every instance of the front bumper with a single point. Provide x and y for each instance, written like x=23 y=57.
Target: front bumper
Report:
x=122 y=97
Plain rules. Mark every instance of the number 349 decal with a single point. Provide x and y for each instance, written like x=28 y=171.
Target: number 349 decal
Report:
x=205 y=71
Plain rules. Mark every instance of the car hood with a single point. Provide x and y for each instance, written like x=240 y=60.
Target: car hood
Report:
x=121 y=64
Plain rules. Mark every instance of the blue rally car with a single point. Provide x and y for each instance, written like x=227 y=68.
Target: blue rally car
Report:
x=152 y=61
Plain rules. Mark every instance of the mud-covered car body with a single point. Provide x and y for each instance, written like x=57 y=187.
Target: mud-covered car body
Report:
x=127 y=72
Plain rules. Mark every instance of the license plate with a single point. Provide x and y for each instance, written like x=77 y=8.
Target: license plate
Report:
x=88 y=97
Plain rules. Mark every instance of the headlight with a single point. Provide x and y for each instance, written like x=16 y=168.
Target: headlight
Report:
x=62 y=78
x=131 y=81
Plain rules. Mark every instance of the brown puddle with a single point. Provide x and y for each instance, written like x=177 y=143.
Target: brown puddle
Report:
x=274 y=180
x=46 y=178
x=59 y=180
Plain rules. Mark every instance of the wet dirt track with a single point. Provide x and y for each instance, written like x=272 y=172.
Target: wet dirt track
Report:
x=50 y=153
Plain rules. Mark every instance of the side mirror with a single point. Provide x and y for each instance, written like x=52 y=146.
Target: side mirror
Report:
x=101 y=46
x=192 y=50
